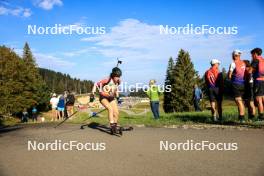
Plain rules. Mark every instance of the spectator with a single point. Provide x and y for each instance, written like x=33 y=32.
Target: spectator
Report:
x=214 y=82
x=249 y=91
x=61 y=107
x=197 y=97
x=54 y=103
x=24 y=116
x=258 y=71
x=236 y=74
x=70 y=100
x=34 y=114
x=153 y=94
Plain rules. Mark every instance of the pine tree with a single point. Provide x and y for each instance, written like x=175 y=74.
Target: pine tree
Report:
x=58 y=82
x=10 y=84
x=184 y=79
x=22 y=83
x=28 y=57
x=36 y=90
x=20 y=87
x=167 y=104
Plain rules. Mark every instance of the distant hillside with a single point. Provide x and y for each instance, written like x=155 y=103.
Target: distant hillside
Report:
x=58 y=82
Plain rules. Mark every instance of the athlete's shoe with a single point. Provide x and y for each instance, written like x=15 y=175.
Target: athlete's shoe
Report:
x=242 y=121
x=113 y=129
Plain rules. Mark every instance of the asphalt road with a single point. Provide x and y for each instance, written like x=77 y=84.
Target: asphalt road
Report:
x=135 y=153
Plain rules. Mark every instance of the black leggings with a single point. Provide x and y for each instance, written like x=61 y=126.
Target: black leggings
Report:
x=109 y=98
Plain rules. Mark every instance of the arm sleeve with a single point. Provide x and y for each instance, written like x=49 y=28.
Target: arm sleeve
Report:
x=232 y=67
x=104 y=81
x=148 y=93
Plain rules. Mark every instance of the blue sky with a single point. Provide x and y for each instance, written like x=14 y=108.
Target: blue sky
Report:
x=131 y=33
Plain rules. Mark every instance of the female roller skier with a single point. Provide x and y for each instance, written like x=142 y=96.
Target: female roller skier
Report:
x=108 y=93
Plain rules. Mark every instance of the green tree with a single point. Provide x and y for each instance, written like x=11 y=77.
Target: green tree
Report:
x=36 y=91
x=58 y=82
x=184 y=79
x=11 y=82
x=20 y=85
x=168 y=100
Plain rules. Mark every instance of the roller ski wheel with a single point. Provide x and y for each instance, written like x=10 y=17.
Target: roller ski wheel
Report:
x=130 y=128
x=120 y=130
x=113 y=130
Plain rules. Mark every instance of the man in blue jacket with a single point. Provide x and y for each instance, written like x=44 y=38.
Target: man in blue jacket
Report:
x=197 y=96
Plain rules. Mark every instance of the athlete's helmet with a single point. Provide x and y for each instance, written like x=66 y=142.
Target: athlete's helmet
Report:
x=116 y=72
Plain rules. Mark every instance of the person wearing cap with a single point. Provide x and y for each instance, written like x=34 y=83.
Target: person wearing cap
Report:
x=258 y=74
x=236 y=74
x=108 y=92
x=214 y=82
x=153 y=93
x=54 y=103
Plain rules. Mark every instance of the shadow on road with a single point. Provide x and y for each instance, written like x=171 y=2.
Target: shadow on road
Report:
x=99 y=127
x=6 y=129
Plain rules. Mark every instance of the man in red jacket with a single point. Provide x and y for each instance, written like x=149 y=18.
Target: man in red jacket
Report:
x=258 y=73
x=236 y=74
x=214 y=81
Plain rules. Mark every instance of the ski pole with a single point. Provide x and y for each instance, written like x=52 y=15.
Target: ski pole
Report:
x=93 y=115
x=65 y=119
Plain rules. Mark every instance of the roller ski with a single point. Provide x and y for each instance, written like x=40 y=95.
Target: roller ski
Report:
x=118 y=130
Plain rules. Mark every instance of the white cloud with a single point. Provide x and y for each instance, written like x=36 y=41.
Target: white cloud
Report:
x=79 y=52
x=48 y=4
x=47 y=60
x=142 y=43
x=27 y=13
x=3 y=10
x=19 y=11
x=52 y=62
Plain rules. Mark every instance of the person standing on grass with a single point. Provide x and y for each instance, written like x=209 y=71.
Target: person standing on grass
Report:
x=24 y=116
x=258 y=72
x=70 y=100
x=61 y=107
x=214 y=82
x=197 y=97
x=54 y=104
x=34 y=114
x=249 y=91
x=153 y=94
x=108 y=91
x=236 y=74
